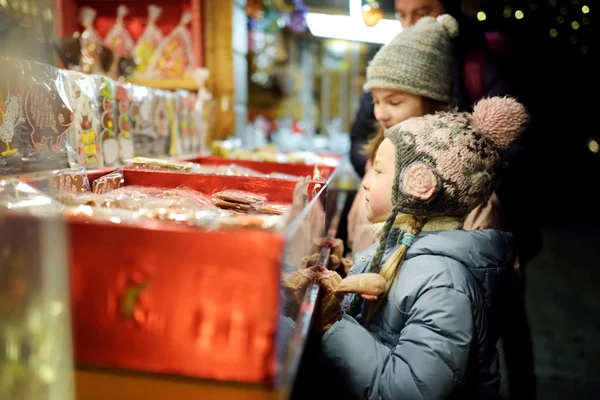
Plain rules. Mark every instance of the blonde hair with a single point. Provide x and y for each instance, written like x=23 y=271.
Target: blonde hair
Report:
x=391 y=268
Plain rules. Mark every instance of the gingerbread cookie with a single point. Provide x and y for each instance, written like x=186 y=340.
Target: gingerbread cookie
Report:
x=72 y=182
x=47 y=117
x=85 y=130
x=230 y=205
x=108 y=183
x=108 y=125
x=240 y=196
x=274 y=209
x=124 y=124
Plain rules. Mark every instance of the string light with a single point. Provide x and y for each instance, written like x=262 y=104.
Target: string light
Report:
x=575 y=25
x=584 y=49
x=585 y=9
x=593 y=146
x=552 y=3
x=585 y=20
x=507 y=12
x=519 y=14
x=560 y=19
x=553 y=33
x=481 y=16
x=573 y=39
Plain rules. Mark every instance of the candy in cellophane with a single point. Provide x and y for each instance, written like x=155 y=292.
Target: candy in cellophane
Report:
x=202 y=110
x=85 y=131
x=141 y=111
x=17 y=197
x=148 y=42
x=164 y=164
x=43 y=126
x=162 y=123
x=109 y=128
x=124 y=126
x=118 y=38
x=91 y=44
x=174 y=56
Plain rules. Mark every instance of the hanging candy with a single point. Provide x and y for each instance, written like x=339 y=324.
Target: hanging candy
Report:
x=90 y=41
x=372 y=13
x=118 y=39
x=149 y=41
x=174 y=56
x=298 y=18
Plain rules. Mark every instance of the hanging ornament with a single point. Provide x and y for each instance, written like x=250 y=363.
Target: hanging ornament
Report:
x=255 y=9
x=297 y=22
x=372 y=13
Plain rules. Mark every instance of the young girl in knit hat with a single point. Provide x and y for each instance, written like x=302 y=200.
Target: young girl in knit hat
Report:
x=424 y=324
x=409 y=77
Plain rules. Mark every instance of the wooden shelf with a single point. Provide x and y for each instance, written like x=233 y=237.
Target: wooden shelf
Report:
x=166 y=84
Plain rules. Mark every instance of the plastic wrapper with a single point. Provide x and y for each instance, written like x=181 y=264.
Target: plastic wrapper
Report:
x=118 y=38
x=91 y=213
x=274 y=208
x=238 y=200
x=124 y=125
x=109 y=128
x=108 y=183
x=142 y=113
x=91 y=44
x=148 y=42
x=71 y=181
x=11 y=113
x=154 y=163
x=35 y=320
x=17 y=197
x=174 y=56
x=184 y=106
x=202 y=111
x=36 y=117
x=85 y=133
x=162 y=123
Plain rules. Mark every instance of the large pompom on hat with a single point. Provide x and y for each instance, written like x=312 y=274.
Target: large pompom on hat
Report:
x=418 y=60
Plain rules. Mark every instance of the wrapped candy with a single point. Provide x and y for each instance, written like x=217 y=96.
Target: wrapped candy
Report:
x=85 y=129
x=90 y=42
x=174 y=56
x=118 y=39
x=108 y=124
x=124 y=124
x=141 y=111
x=148 y=42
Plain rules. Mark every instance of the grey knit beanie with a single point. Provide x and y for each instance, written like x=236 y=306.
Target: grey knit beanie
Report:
x=418 y=60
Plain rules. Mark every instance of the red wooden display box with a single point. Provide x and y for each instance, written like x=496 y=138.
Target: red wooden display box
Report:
x=173 y=299
x=269 y=167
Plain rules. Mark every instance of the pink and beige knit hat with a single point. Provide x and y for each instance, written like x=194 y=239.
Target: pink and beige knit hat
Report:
x=446 y=163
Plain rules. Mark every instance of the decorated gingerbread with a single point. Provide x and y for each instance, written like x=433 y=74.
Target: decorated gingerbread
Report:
x=109 y=129
x=124 y=124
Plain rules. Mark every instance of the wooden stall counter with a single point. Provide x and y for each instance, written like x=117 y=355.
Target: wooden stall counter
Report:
x=103 y=385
